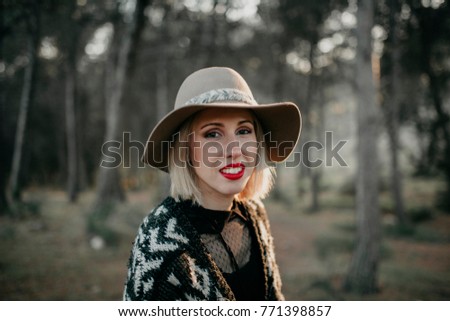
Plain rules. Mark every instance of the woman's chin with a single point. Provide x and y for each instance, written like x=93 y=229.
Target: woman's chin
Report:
x=232 y=190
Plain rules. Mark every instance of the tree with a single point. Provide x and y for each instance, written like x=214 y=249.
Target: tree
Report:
x=108 y=184
x=304 y=20
x=33 y=38
x=433 y=33
x=391 y=109
x=362 y=274
x=70 y=105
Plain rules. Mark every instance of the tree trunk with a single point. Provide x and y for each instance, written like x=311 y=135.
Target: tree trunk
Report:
x=13 y=193
x=71 y=126
x=392 y=118
x=4 y=157
x=109 y=187
x=162 y=104
x=362 y=274
x=442 y=123
x=108 y=181
x=308 y=130
x=427 y=23
x=278 y=190
x=71 y=134
x=316 y=173
x=305 y=169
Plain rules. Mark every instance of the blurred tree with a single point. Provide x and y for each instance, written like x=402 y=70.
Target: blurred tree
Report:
x=363 y=271
x=70 y=27
x=71 y=46
x=31 y=12
x=391 y=104
x=415 y=48
x=9 y=19
x=108 y=185
x=165 y=53
x=432 y=24
x=304 y=20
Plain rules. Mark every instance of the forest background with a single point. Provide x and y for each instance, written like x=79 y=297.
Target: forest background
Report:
x=363 y=214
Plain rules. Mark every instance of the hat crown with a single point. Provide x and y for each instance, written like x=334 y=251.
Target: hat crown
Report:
x=208 y=80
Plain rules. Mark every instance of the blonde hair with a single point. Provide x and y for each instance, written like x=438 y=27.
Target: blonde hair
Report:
x=184 y=180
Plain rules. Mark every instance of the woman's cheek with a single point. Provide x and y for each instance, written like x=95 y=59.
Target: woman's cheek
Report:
x=250 y=151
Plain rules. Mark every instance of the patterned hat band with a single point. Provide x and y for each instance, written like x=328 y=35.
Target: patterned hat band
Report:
x=220 y=95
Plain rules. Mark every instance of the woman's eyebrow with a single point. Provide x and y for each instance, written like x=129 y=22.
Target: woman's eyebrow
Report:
x=245 y=121
x=212 y=124
x=222 y=125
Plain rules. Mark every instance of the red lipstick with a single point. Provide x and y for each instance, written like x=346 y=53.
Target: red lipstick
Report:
x=233 y=171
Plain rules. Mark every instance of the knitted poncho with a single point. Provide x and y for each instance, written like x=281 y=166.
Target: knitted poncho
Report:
x=169 y=261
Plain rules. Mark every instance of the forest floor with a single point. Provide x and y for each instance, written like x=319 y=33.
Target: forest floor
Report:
x=50 y=255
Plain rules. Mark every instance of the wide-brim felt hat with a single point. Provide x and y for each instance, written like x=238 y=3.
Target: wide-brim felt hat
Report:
x=221 y=87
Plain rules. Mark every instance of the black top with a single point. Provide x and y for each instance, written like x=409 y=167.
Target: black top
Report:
x=247 y=282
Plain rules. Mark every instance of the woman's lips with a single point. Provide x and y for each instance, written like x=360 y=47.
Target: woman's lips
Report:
x=233 y=171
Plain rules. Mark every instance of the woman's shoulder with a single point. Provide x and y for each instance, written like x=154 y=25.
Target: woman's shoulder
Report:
x=168 y=205
x=255 y=206
x=165 y=210
x=164 y=222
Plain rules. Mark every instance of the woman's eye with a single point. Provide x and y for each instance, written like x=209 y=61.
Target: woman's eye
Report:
x=244 y=131
x=212 y=135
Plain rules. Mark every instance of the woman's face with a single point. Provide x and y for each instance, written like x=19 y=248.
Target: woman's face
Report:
x=223 y=152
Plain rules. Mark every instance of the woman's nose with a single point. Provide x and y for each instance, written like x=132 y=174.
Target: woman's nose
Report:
x=233 y=149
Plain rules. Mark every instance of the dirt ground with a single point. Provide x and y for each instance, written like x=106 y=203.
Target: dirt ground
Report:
x=51 y=256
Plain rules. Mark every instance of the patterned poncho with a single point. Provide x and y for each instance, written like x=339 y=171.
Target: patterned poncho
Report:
x=169 y=261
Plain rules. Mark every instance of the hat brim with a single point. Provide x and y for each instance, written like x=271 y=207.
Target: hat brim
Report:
x=281 y=124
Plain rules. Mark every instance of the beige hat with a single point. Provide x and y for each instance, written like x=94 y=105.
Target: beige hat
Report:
x=220 y=87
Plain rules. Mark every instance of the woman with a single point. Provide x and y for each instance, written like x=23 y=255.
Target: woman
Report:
x=210 y=240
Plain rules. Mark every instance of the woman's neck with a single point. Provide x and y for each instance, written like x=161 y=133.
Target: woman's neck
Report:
x=217 y=204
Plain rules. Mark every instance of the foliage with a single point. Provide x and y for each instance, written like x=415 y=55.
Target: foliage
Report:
x=187 y=36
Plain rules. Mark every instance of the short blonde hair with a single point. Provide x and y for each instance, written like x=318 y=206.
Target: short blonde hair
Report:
x=184 y=180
